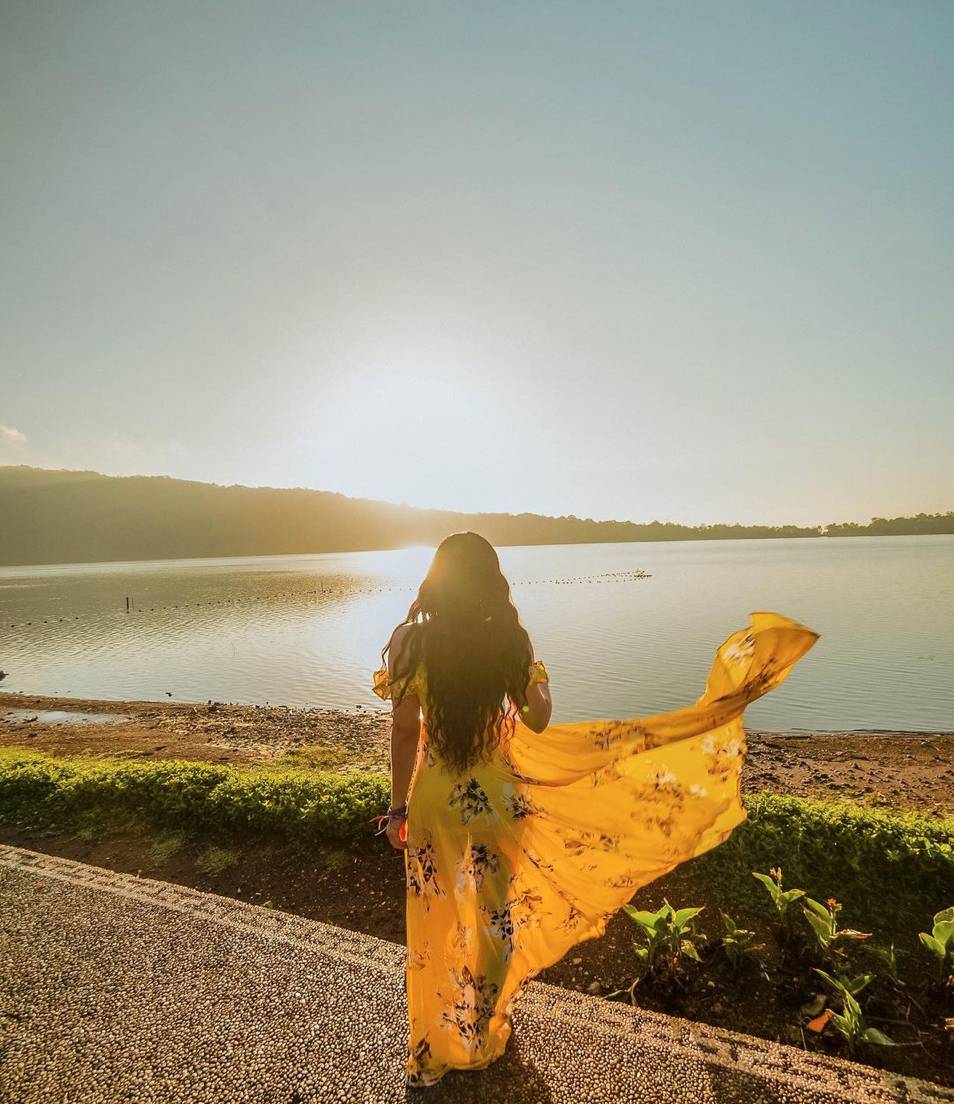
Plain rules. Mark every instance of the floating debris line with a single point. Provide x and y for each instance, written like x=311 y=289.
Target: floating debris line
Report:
x=375 y=588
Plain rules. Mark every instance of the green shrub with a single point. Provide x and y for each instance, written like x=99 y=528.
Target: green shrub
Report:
x=877 y=863
x=304 y=807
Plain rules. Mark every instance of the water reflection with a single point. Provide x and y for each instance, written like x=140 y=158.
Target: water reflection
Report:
x=307 y=630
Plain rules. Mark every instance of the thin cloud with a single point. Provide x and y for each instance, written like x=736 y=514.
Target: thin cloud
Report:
x=14 y=436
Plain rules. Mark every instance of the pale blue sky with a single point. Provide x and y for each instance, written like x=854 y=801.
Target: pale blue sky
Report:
x=687 y=261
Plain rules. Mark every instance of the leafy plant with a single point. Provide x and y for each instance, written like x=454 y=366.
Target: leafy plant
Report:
x=842 y=984
x=824 y=923
x=670 y=936
x=782 y=899
x=889 y=959
x=850 y=1023
x=853 y=1028
x=941 y=940
x=738 y=943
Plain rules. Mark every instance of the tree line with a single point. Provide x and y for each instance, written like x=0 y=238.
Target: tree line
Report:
x=51 y=517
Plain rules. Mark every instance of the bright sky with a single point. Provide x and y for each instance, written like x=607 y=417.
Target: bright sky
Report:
x=685 y=261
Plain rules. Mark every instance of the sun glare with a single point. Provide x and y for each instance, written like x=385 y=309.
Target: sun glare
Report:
x=413 y=560
x=415 y=431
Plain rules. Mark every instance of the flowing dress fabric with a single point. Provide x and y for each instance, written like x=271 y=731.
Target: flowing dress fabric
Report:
x=534 y=849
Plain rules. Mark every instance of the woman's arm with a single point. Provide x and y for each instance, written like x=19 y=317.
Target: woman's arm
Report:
x=539 y=707
x=405 y=737
x=405 y=723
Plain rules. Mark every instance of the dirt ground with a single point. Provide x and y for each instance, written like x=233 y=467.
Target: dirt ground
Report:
x=903 y=770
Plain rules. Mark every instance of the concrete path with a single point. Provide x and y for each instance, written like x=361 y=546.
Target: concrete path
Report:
x=117 y=988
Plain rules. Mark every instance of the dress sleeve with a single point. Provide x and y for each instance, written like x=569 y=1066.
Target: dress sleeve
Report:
x=395 y=689
x=537 y=673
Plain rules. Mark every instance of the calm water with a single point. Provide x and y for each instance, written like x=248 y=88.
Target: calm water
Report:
x=308 y=630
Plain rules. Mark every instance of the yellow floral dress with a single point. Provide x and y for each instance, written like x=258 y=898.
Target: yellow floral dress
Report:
x=533 y=850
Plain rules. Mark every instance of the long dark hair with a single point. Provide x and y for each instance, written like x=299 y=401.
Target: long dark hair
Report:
x=468 y=635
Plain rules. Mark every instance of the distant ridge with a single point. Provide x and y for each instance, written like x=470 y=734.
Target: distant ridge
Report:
x=50 y=517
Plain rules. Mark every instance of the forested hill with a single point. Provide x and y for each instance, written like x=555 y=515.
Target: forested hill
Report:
x=919 y=524
x=85 y=517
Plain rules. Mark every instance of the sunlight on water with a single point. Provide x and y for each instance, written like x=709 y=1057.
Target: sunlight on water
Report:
x=308 y=630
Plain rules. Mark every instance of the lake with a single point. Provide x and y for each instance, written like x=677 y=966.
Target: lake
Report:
x=308 y=630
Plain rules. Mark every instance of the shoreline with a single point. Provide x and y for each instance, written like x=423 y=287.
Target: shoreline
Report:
x=692 y=538
x=201 y=558
x=886 y=769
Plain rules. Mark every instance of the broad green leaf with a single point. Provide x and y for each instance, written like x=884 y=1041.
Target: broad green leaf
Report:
x=818 y=908
x=944 y=931
x=932 y=944
x=841 y=1023
x=835 y=983
x=645 y=919
x=819 y=925
x=856 y=984
x=873 y=1035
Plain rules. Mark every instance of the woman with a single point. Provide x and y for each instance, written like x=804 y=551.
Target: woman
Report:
x=521 y=838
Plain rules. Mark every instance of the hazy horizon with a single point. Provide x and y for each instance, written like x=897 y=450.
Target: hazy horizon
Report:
x=686 y=263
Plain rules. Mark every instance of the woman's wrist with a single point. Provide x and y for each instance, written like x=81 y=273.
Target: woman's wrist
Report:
x=398 y=812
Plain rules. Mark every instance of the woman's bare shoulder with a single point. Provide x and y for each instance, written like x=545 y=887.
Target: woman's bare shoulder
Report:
x=400 y=644
x=402 y=635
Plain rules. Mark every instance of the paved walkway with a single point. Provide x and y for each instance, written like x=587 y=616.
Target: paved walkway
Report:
x=116 y=988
